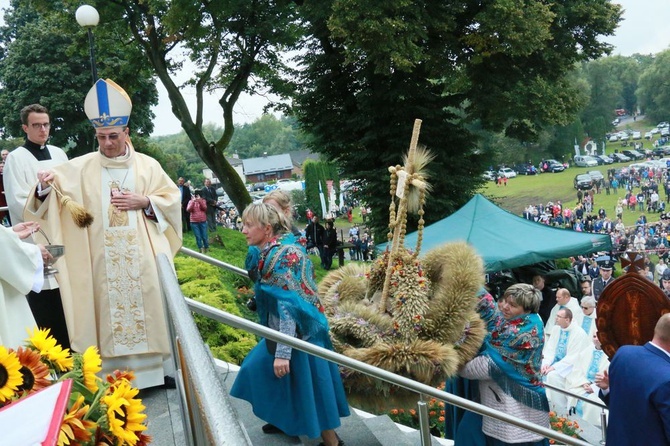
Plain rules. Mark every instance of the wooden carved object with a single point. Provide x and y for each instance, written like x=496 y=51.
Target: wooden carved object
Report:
x=629 y=308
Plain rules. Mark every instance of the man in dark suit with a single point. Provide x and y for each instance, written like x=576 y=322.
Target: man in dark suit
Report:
x=209 y=194
x=605 y=278
x=639 y=391
x=185 y=192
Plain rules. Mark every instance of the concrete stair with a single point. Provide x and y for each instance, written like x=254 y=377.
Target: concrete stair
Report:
x=359 y=429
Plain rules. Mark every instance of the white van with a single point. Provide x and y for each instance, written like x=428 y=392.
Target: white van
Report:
x=585 y=161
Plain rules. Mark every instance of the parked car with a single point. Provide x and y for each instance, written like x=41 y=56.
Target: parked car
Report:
x=633 y=154
x=648 y=135
x=585 y=161
x=619 y=157
x=506 y=172
x=583 y=181
x=637 y=135
x=660 y=152
x=595 y=175
x=551 y=165
x=613 y=138
x=525 y=169
x=489 y=175
x=662 y=124
x=604 y=159
x=258 y=186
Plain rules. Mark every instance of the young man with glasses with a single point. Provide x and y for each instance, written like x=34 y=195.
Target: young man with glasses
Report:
x=108 y=275
x=21 y=167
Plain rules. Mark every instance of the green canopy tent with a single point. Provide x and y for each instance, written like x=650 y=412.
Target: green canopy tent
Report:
x=505 y=240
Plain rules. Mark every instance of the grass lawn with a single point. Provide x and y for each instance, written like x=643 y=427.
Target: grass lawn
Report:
x=534 y=189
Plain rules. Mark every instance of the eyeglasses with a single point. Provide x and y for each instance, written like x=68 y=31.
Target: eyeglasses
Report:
x=38 y=126
x=561 y=317
x=586 y=308
x=111 y=137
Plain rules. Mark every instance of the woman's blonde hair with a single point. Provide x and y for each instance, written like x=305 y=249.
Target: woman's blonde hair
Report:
x=266 y=214
x=283 y=200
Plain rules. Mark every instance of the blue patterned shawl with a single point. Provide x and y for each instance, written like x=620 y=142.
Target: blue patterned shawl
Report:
x=515 y=349
x=285 y=275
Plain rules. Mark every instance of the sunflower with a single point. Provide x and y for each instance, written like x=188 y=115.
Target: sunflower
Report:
x=75 y=429
x=125 y=413
x=91 y=364
x=10 y=374
x=35 y=373
x=50 y=350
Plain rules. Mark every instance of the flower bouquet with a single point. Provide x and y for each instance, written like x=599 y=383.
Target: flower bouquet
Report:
x=564 y=425
x=99 y=412
x=410 y=417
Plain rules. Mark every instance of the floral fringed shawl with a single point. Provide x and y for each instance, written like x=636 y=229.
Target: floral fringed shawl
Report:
x=515 y=349
x=286 y=276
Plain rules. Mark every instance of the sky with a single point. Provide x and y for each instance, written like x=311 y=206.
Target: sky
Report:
x=643 y=30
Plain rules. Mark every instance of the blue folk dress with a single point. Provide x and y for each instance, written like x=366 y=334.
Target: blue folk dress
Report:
x=311 y=398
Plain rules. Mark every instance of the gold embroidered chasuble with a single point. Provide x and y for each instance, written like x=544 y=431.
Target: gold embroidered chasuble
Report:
x=108 y=278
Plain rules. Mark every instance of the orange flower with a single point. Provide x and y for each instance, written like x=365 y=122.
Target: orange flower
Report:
x=432 y=413
x=118 y=376
x=412 y=412
x=441 y=419
x=35 y=373
x=394 y=411
x=74 y=429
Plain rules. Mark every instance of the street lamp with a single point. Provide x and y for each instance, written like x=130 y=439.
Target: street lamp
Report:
x=87 y=17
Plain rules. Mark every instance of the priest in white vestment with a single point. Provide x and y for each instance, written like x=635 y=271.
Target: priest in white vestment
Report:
x=582 y=382
x=563 y=300
x=588 y=305
x=22 y=272
x=108 y=277
x=561 y=352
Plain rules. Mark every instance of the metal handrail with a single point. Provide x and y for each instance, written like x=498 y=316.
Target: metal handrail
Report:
x=359 y=366
x=207 y=414
x=362 y=367
x=602 y=406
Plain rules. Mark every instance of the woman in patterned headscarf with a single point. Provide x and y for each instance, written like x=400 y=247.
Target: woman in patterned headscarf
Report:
x=508 y=370
x=295 y=393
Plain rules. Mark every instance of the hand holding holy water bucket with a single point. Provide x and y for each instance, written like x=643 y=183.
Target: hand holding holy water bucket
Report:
x=56 y=252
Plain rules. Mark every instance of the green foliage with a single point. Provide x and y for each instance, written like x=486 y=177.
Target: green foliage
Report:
x=220 y=289
x=563 y=264
x=372 y=68
x=300 y=203
x=45 y=60
x=653 y=91
x=266 y=135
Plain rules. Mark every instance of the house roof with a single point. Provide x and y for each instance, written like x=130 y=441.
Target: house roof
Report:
x=300 y=156
x=272 y=163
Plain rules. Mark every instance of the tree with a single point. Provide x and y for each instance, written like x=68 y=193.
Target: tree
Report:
x=373 y=67
x=234 y=45
x=653 y=89
x=44 y=59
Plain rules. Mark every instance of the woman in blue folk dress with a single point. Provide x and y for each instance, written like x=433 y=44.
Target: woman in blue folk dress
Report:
x=295 y=393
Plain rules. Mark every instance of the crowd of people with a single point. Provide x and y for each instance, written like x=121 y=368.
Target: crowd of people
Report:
x=535 y=333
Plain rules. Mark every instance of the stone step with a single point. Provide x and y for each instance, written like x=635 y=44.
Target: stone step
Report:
x=355 y=430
